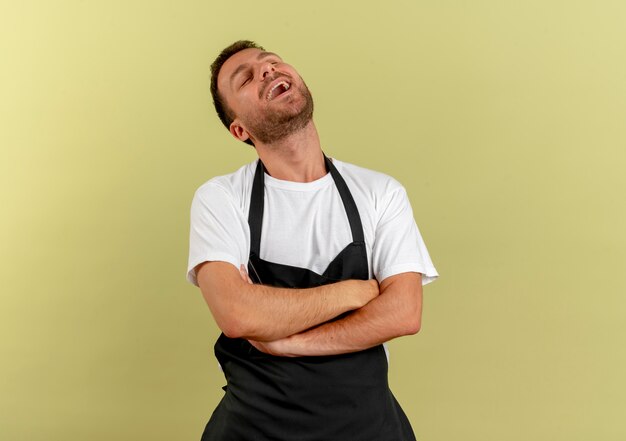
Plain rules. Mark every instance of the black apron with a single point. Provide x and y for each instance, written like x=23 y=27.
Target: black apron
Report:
x=329 y=398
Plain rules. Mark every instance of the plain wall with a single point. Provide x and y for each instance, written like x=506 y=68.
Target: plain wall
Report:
x=504 y=120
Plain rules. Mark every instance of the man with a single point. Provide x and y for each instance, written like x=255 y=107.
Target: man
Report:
x=308 y=266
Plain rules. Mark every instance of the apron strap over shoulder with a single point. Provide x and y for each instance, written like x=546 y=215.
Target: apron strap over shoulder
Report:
x=255 y=214
x=348 y=202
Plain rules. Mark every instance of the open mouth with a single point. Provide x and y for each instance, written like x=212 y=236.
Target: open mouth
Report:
x=278 y=89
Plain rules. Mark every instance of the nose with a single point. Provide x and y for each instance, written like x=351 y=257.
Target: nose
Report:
x=267 y=68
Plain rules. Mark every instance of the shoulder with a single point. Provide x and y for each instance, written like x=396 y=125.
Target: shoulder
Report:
x=374 y=185
x=232 y=187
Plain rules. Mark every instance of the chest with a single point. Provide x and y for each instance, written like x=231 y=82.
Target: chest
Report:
x=309 y=229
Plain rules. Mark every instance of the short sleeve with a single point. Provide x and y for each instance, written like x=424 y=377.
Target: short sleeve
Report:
x=218 y=229
x=398 y=245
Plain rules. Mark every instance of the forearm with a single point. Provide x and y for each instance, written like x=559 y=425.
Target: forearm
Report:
x=394 y=313
x=266 y=313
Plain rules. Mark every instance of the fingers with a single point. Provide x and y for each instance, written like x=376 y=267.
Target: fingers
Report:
x=258 y=346
x=244 y=274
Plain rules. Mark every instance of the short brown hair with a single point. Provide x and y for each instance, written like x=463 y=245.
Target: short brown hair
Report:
x=224 y=112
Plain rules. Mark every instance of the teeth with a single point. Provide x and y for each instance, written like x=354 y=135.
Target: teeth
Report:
x=284 y=83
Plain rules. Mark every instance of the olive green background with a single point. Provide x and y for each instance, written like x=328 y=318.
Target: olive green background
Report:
x=505 y=121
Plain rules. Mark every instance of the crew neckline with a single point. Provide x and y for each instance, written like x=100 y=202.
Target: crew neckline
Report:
x=300 y=186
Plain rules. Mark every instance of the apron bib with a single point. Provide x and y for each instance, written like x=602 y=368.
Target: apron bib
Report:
x=342 y=397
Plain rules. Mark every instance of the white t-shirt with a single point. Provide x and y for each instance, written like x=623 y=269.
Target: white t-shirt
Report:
x=305 y=224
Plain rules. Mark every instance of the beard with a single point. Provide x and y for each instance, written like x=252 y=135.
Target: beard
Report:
x=273 y=125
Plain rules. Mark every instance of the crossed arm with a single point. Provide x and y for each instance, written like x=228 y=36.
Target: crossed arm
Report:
x=295 y=322
x=266 y=313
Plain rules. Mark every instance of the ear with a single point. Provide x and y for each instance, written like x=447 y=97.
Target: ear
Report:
x=238 y=131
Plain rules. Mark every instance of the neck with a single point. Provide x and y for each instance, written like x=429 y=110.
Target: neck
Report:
x=297 y=157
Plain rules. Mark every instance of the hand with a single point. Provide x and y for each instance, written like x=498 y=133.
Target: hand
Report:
x=374 y=288
x=244 y=274
x=366 y=290
x=280 y=348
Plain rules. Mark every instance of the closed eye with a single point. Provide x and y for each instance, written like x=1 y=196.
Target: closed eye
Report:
x=247 y=80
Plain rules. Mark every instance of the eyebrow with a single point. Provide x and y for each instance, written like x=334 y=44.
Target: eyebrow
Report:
x=245 y=66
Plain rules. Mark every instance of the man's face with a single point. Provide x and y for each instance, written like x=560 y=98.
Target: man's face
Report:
x=268 y=97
